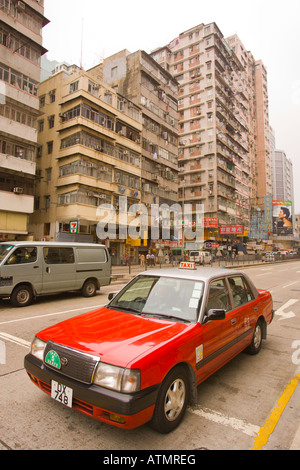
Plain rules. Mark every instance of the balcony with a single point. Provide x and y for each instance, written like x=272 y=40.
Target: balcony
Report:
x=14 y=202
x=9 y=162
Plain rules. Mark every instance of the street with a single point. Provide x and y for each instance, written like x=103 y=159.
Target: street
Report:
x=234 y=407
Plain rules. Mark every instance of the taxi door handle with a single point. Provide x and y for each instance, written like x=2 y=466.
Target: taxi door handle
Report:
x=233 y=321
x=255 y=309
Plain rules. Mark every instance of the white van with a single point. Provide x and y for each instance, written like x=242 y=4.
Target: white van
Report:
x=200 y=257
x=29 y=269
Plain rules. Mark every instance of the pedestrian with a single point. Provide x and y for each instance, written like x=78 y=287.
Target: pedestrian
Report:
x=148 y=259
x=142 y=258
x=152 y=259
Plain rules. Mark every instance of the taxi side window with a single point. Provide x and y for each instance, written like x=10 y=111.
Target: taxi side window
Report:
x=218 y=297
x=23 y=255
x=240 y=291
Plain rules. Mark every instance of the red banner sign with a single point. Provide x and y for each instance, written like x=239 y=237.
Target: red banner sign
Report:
x=232 y=230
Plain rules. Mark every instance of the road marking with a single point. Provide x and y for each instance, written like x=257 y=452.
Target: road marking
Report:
x=14 y=339
x=290 y=284
x=284 y=315
x=51 y=314
x=271 y=422
x=216 y=417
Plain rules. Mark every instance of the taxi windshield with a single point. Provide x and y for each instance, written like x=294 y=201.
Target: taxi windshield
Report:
x=164 y=297
x=4 y=249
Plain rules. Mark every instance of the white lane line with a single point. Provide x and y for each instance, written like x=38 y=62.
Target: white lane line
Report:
x=52 y=314
x=14 y=339
x=290 y=284
x=238 y=424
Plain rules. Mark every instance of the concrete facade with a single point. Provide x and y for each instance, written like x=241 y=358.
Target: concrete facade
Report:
x=89 y=154
x=224 y=158
x=21 y=48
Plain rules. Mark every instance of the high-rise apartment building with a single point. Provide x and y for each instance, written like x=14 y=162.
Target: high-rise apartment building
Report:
x=263 y=148
x=142 y=80
x=21 y=24
x=89 y=155
x=282 y=169
x=223 y=123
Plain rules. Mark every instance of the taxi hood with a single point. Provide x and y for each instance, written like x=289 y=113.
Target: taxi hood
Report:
x=117 y=337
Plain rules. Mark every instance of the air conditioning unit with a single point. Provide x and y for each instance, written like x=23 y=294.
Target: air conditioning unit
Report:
x=21 y=6
x=18 y=190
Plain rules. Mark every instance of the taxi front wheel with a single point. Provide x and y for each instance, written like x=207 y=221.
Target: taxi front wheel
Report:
x=171 y=402
x=256 y=342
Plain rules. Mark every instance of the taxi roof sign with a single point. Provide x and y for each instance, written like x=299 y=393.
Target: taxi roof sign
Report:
x=187 y=265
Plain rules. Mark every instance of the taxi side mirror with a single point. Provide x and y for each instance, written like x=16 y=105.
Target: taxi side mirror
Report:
x=216 y=314
x=111 y=295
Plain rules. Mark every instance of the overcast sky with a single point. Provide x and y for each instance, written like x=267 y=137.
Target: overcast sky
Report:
x=94 y=29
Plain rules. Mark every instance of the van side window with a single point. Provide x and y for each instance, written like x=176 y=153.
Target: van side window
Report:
x=240 y=291
x=23 y=255
x=58 y=255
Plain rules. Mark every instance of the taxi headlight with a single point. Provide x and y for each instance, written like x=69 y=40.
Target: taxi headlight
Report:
x=38 y=348
x=117 y=378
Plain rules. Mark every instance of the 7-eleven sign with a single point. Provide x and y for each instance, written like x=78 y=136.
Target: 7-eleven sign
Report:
x=74 y=225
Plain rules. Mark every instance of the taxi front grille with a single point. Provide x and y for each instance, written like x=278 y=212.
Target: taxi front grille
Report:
x=72 y=363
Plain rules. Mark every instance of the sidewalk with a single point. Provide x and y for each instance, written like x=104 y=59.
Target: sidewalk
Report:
x=122 y=274
x=125 y=273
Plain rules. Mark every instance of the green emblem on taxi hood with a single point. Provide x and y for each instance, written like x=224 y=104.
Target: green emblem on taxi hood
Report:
x=53 y=359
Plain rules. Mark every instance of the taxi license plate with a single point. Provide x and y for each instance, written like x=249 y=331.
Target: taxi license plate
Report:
x=61 y=393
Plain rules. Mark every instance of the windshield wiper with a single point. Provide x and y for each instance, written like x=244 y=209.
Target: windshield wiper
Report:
x=169 y=317
x=128 y=309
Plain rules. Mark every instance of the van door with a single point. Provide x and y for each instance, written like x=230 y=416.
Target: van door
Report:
x=59 y=273
x=24 y=265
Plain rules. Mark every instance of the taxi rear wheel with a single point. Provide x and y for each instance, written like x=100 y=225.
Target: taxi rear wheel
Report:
x=171 y=402
x=256 y=343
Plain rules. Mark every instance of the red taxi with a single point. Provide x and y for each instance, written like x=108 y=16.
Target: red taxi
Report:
x=140 y=358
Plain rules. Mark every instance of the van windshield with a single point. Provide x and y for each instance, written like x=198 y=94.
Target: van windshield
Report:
x=4 y=249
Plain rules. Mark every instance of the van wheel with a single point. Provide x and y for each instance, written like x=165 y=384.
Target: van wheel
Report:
x=22 y=296
x=89 y=288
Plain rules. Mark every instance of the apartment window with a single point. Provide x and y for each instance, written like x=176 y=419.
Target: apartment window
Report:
x=50 y=147
x=48 y=174
x=52 y=96
x=74 y=86
x=47 y=202
x=51 y=121
x=42 y=101
x=41 y=126
x=114 y=72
